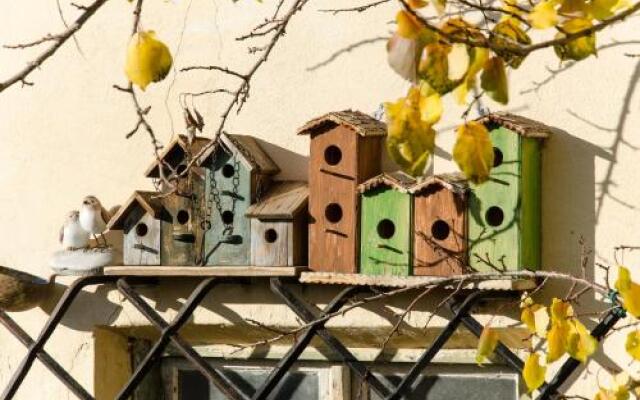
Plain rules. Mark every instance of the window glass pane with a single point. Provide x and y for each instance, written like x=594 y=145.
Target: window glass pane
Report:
x=447 y=387
x=295 y=385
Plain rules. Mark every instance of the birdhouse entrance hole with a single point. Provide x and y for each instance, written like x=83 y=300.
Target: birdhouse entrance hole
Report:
x=182 y=217
x=333 y=213
x=142 y=229
x=227 y=217
x=497 y=157
x=333 y=155
x=270 y=235
x=440 y=230
x=386 y=229
x=494 y=216
x=228 y=171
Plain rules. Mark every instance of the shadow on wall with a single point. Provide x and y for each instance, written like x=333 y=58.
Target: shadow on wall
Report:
x=293 y=166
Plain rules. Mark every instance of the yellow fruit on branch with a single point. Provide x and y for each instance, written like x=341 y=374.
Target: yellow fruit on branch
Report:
x=148 y=59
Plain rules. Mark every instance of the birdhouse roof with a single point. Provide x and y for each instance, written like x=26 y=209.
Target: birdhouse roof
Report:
x=360 y=123
x=396 y=180
x=283 y=201
x=175 y=152
x=521 y=125
x=148 y=201
x=250 y=153
x=455 y=182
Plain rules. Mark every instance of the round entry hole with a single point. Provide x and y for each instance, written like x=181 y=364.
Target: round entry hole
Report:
x=141 y=229
x=227 y=217
x=333 y=212
x=386 y=229
x=228 y=170
x=182 y=217
x=270 y=235
x=494 y=216
x=440 y=230
x=497 y=157
x=333 y=155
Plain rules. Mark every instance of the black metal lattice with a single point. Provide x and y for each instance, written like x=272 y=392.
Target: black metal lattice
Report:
x=460 y=306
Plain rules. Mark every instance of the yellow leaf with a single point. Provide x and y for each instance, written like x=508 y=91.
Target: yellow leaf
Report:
x=544 y=15
x=408 y=27
x=440 y=6
x=580 y=48
x=576 y=8
x=494 y=80
x=434 y=68
x=619 y=390
x=632 y=345
x=556 y=341
x=602 y=9
x=629 y=291
x=533 y=373
x=580 y=343
x=508 y=34
x=431 y=108
x=473 y=151
x=561 y=311
x=148 y=59
x=536 y=318
x=458 y=62
x=487 y=344
x=415 y=4
x=479 y=57
x=410 y=140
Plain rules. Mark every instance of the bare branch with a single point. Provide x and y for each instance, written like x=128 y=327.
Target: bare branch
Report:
x=56 y=42
x=359 y=9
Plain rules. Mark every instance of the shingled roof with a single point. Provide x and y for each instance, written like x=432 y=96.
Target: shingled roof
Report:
x=396 y=180
x=521 y=125
x=360 y=123
x=283 y=201
x=175 y=152
x=148 y=201
x=249 y=150
x=455 y=182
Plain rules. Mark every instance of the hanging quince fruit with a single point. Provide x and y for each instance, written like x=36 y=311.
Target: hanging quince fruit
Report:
x=148 y=59
x=580 y=48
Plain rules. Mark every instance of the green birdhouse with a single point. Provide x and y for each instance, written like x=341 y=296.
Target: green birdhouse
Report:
x=505 y=212
x=236 y=173
x=386 y=225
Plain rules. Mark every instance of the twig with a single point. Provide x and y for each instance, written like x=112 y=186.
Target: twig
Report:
x=56 y=43
x=359 y=9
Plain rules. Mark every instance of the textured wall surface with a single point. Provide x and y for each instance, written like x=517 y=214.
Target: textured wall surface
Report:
x=63 y=138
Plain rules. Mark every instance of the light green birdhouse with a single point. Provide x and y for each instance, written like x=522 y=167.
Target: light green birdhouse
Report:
x=505 y=212
x=386 y=232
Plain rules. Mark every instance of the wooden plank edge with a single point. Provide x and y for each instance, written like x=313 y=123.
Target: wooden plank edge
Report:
x=330 y=278
x=195 y=271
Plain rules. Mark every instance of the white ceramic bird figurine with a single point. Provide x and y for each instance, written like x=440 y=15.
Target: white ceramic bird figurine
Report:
x=72 y=236
x=94 y=217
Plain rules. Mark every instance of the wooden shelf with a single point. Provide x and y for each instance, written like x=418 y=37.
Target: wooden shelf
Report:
x=331 y=278
x=195 y=271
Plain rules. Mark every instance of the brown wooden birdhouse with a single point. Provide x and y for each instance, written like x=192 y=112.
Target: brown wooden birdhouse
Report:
x=345 y=151
x=279 y=226
x=187 y=188
x=140 y=220
x=440 y=225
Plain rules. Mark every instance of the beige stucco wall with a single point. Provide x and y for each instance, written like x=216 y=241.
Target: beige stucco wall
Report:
x=63 y=138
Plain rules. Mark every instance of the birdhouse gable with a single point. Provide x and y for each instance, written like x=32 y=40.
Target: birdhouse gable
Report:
x=249 y=152
x=522 y=126
x=175 y=152
x=455 y=183
x=139 y=203
x=398 y=181
x=358 y=122
x=284 y=202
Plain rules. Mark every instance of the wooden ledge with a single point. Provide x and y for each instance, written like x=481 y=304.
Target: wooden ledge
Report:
x=331 y=278
x=208 y=271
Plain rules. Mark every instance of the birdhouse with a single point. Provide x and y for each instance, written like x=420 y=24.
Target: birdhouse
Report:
x=345 y=151
x=236 y=173
x=504 y=212
x=440 y=225
x=140 y=220
x=189 y=189
x=386 y=225
x=279 y=226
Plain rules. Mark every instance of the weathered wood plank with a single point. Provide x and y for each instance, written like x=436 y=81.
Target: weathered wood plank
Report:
x=222 y=271
x=284 y=200
x=332 y=278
